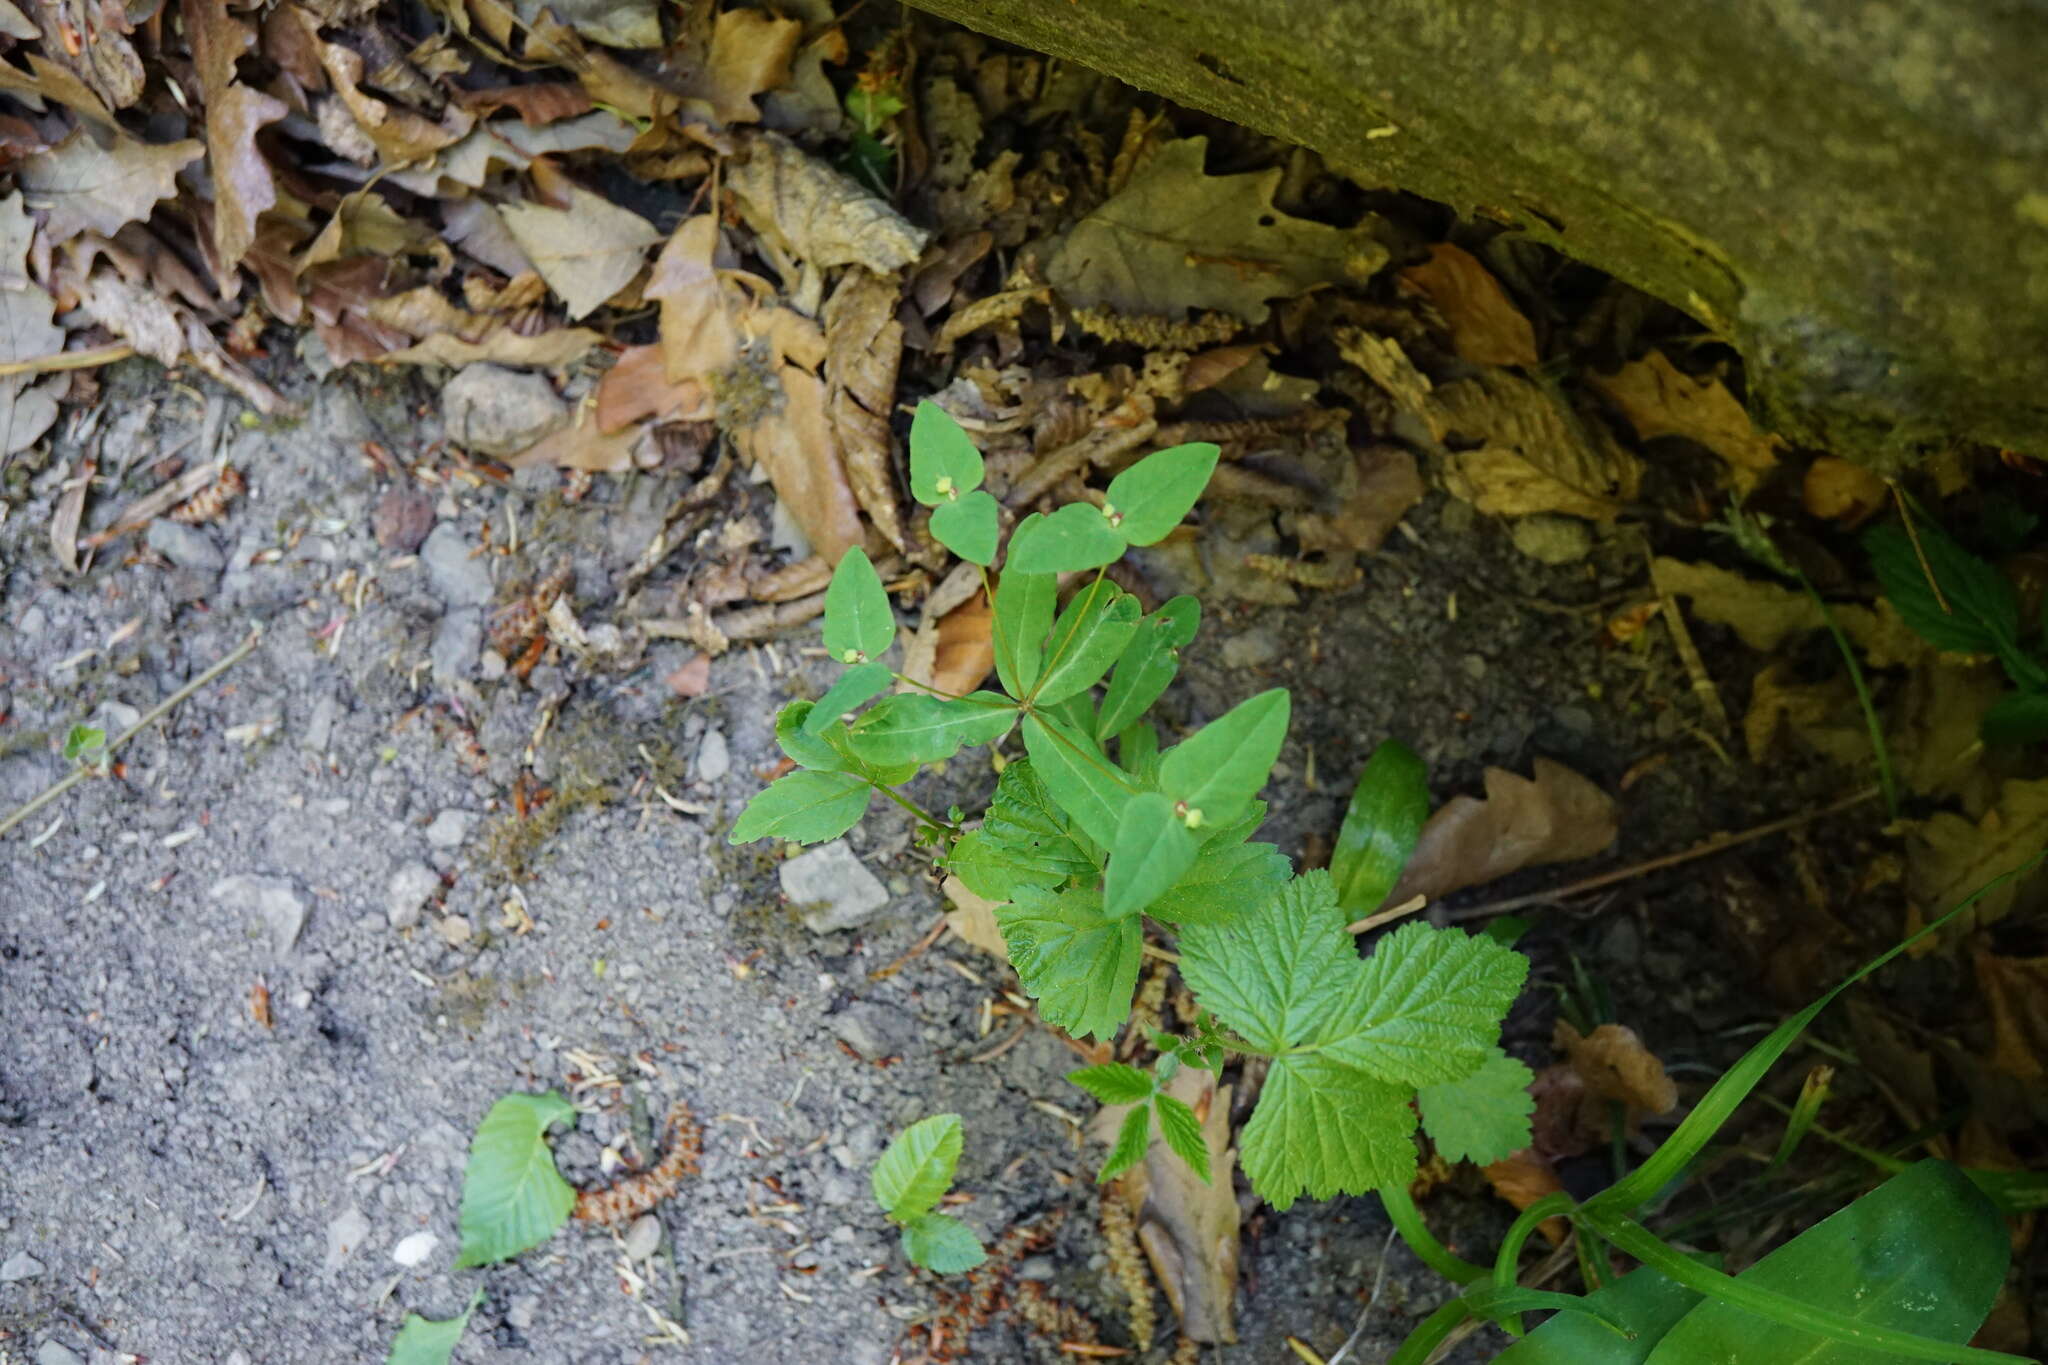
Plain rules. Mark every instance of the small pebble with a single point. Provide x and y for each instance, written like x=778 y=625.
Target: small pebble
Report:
x=273 y=900
x=20 y=1266
x=832 y=889
x=714 y=758
x=414 y=1250
x=643 y=1239
x=57 y=1353
x=450 y=828
x=346 y=1232
x=407 y=891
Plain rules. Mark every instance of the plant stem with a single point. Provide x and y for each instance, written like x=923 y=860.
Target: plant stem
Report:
x=919 y=811
x=1407 y=1220
x=1885 y=781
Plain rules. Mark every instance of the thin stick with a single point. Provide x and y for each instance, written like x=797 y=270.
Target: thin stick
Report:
x=1913 y=534
x=1718 y=844
x=69 y=360
x=1401 y=911
x=156 y=713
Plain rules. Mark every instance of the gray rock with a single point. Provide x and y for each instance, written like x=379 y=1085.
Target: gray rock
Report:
x=450 y=828
x=714 y=757
x=344 y=1234
x=1551 y=539
x=57 y=1353
x=496 y=411
x=188 y=547
x=20 y=1266
x=521 y=1312
x=643 y=1239
x=832 y=889
x=457 y=577
x=1251 y=649
x=874 y=1031
x=273 y=900
x=320 y=724
x=407 y=892
x=457 y=642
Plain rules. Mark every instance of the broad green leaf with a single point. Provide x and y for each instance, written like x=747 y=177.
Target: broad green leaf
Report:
x=1427 y=1006
x=1114 y=1083
x=808 y=750
x=1642 y=1300
x=2017 y=718
x=1183 y=1134
x=805 y=807
x=1152 y=851
x=916 y=727
x=994 y=870
x=1074 y=537
x=1080 y=965
x=513 y=1199
x=1220 y=767
x=423 y=1341
x=853 y=687
x=1085 y=641
x=944 y=463
x=1324 y=1129
x=1227 y=880
x=1380 y=827
x=916 y=1169
x=1148 y=500
x=1924 y=1253
x=1278 y=971
x=1023 y=614
x=1087 y=786
x=1978 y=611
x=859 y=625
x=942 y=1244
x=1133 y=1136
x=969 y=528
x=1137 y=750
x=1505 y=1303
x=1484 y=1117
x=1148 y=664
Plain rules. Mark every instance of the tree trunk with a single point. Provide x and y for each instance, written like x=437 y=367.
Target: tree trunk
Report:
x=1855 y=194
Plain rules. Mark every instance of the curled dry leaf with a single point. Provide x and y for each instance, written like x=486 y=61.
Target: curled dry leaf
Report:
x=1554 y=817
x=1387 y=365
x=586 y=252
x=1658 y=399
x=1949 y=856
x=750 y=54
x=1837 y=490
x=1765 y=615
x=794 y=443
x=1536 y=454
x=2016 y=989
x=1189 y=1228
x=815 y=214
x=87 y=188
x=1524 y=1178
x=863 y=348
x=1486 y=327
x=1615 y=1066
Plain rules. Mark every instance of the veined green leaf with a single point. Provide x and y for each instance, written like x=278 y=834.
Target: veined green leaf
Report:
x=915 y=727
x=513 y=1199
x=1133 y=1136
x=1228 y=879
x=1137 y=751
x=859 y=625
x=969 y=527
x=1427 y=1006
x=1484 y=1117
x=423 y=1341
x=2017 y=718
x=1183 y=1134
x=944 y=463
x=1151 y=852
x=1080 y=965
x=1277 y=972
x=805 y=807
x=853 y=687
x=1643 y=1301
x=1074 y=537
x=793 y=734
x=1023 y=614
x=1323 y=1129
x=1148 y=663
x=1114 y=1083
x=1978 y=609
x=1083 y=783
x=942 y=1244
x=1086 y=640
x=1220 y=767
x=1381 y=826
x=1148 y=500
x=1024 y=840
x=916 y=1169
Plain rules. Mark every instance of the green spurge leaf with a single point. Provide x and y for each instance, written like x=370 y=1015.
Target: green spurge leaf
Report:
x=423 y=1341
x=917 y=1167
x=1137 y=751
x=853 y=687
x=942 y=1244
x=1080 y=965
x=2017 y=718
x=858 y=623
x=1427 y=1005
x=1183 y=1134
x=806 y=749
x=1381 y=827
x=1220 y=768
x=81 y=740
x=513 y=1199
x=1484 y=1117
x=1227 y=879
x=969 y=527
x=1148 y=500
x=1076 y=536
x=1643 y=1301
x=1982 y=615
x=1114 y=1083
x=1323 y=1128
x=916 y=727
x=1924 y=1253
x=944 y=463
x=1151 y=852
x=805 y=807
x=1086 y=640
x=1087 y=786
x=1148 y=664
x=1023 y=614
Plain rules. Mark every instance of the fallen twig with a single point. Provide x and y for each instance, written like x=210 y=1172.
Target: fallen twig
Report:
x=69 y=360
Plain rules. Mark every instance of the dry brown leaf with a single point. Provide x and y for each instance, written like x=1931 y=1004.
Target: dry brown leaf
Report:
x=1524 y=1178
x=580 y=445
x=1536 y=454
x=363 y=224
x=1189 y=1228
x=1824 y=717
x=28 y=407
x=750 y=54
x=813 y=213
x=1949 y=857
x=549 y=350
x=1658 y=399
x=795 y=445
x=586 y=252
x=242 y=184
x=609 y=81
x=863 y=347
x=1387 y=365
x=87 y=189
x=1379 y=487
x=1555 y=817
x=539 y=103
x=699 y=304
x=973 y=918
x=1486 y=327
x=1934 y=730
x=515 y=145
x=2016 y=989
x=1617 y=1067
x=637 y=389
x=1836 y=490
x=692 y=678
x=46 y=80
x=399 y=135
x=965 y=648
x=1765 y=615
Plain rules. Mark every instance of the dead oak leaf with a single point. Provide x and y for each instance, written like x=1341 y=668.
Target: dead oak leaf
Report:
x=750 y=54
x=1949 y=857
x=1535 y=454
x=1486 y=327
x=28 y=331
x=794 y=444
x=1659 y=399
x=586 y=252
x=810 y=212
x=242 y=183
x=89 y=188
x=863 y=348
x=1556 y=816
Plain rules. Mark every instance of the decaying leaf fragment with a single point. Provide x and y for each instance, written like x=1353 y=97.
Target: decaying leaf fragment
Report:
x=28 y=331
x=863 y=347
x=1824 y=716
x=1554 y=817
x=1536 y=455
x=87 y=188
x=1615 y=1066
x=1375 y=489
x=1658 y=399
x=1486 y=327
x=815 y=214
x=1764 y=615
x=1387 y=365
x=700 y=304
x=586 y=252
x=2016 y=988
x=1949 y=856
x=794 y=442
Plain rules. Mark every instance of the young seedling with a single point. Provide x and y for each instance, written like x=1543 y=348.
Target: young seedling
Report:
x=86 y=745
x=912 y=1176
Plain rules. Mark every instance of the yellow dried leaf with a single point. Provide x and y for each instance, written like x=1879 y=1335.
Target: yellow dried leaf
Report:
x=1765 y=615
x=1824 y=717
x=750 y=54
x=1949 y=857
x=1536 y=455
x=1658 y=399
x=973 y=918
x=1615 y=1066
x=2016 y=989
x=1836 y=490
x=1486 y=327
x=543 y=351
x=1554 y=817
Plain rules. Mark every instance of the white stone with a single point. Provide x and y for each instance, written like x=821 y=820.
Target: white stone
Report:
x=414 y=1250
x=831 y=888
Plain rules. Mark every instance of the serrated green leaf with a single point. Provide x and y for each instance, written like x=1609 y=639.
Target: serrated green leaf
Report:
x=1080 y=965
x=1381 y=826
x=1277 y=972
x=1023 y=614
x=859 y=625
x=1024 y=840
x=915 y=1170
x=969 y=527
x=1089 y=635
x=1484 y=1117
x=1148 y=664
x=1114 y=1083
x=1152 y=851
x=853 y=687
x=1228 y=879
x=805 y=807
x=1982 y=612
x=1221 y=767
x=1324 y=1129
x=1133 y=1136
x=916 y=727
x=423 y=1341
x=2017 y=718
x=942 y=1244
x=1084 y=784
x=944 y=463
x=1148 y=500
x=1183 y=1134
x=513 y=1199
x=1427 y=1006
x=1074 y=537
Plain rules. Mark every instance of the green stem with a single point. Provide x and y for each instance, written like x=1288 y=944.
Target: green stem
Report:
x=1434 y=1331
x=1407 y=1220
x=1879 y=752
x=1059 y=646
x=1510 y=1254
x=919 y=811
